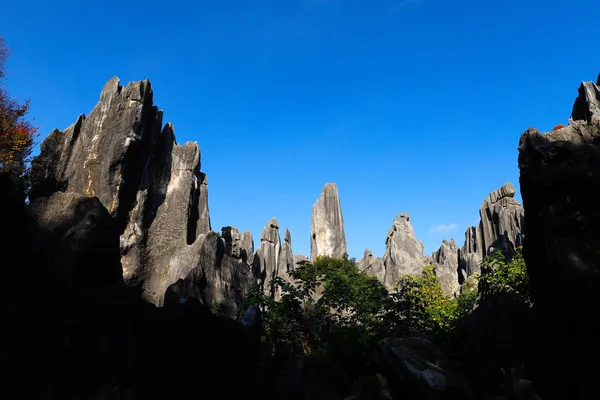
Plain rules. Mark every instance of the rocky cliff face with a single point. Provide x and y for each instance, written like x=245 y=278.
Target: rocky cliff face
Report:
x=372 y=266
x=286 y=263
x=327 y=235
x=152 y=187
x=500 y=228
x=445 y=260
x=560 y=185
x=403 y=253
x=266 y=259
x=219 y=277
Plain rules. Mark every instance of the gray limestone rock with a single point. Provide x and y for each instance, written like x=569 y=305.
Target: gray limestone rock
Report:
x=246 y=244
x=300 y=259
x=285 y=262
x=471 y=254
x=267 y=257
x=219 y=280
x=286 y=256
x=327 y=225
x=500 y=228
x=445 y=260
x=152 y=187
x=403 y=253
x=238 y=245
x=372 y=266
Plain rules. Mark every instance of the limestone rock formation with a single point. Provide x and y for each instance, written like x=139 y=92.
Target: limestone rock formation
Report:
x=403 y=253
x=76 y=235
x=286 y=263
x=445 y=260
x=238 y=245
x=417 y=362
x=327 y=236
x=500 y=228
x=372 y=266
x=266 y=259
x=152 y=187
x=560 y=185
x=299 y=259
x=219 y=278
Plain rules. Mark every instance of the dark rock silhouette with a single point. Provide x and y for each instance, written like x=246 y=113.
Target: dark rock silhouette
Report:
x=560 y=186
x=73 y=329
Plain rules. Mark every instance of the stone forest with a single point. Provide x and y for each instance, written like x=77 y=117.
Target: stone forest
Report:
x=117 y=286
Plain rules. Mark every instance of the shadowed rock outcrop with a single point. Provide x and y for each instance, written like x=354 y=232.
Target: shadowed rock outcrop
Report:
x=77 y=236
x=403 y=253
x=500 y=228
x=219 y=278
x=152 y=187
x=445 y=260
x=327 y=235
x=560 y=185
x=73 y=330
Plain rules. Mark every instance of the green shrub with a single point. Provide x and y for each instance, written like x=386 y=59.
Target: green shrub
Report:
x=331 y=310
x=508 y=277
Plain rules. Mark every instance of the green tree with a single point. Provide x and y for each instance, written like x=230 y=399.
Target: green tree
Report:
x=329 y=309
x=421 y=308
x=508 y=277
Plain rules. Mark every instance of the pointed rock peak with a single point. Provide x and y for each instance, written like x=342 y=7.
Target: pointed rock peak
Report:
x=288 y=236
x=111 y=88
x=507 y=190
x=139 y=91
x=401 y=218
x=449 y=244
x=273 y=223
x=270 y=232
x=330 y=187
x=587 y=104
x=402 y=224
x=327 y=236
x=368 y=253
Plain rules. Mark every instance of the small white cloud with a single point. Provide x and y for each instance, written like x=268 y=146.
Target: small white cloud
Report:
x=444 y=228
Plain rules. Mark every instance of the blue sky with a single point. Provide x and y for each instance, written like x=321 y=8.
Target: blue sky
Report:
x=409 y=106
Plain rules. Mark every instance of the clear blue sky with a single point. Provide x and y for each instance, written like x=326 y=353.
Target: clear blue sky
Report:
x=409 y=106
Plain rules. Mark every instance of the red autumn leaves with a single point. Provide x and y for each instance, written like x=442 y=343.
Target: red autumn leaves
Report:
x=17 y=135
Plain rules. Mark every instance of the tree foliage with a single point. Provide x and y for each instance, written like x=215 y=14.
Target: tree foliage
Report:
x=17 y=134
x=508 y=277
x=421 y=308
x=331 y=310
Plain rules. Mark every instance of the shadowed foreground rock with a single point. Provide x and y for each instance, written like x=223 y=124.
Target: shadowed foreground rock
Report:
x=73 y=330
x=560 y=185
